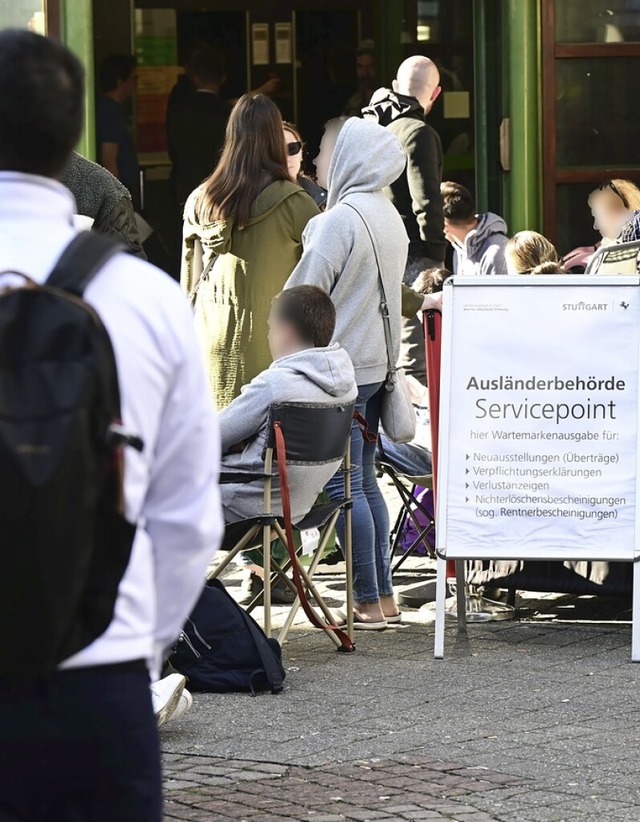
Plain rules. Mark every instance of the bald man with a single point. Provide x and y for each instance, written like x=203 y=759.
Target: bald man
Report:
x=416 y=193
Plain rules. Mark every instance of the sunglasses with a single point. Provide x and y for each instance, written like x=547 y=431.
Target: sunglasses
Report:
x=610 y=184
x=294 y=148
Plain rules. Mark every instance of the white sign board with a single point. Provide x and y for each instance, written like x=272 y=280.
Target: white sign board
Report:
x=539 y=418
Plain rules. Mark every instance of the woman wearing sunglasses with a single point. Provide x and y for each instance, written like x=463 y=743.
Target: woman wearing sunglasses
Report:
x=612 y=205
x=242 y=238
x=294 y=145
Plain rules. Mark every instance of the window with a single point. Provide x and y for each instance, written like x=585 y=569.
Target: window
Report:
x=590 y=75
x=590 y=21
x=24 y=14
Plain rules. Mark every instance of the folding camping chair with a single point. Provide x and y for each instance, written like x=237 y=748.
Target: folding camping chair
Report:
x=300 y=434
x=622 y=258
x=412 y=510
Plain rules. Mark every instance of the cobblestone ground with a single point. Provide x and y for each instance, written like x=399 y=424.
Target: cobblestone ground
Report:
x=398 y=788
x=528 y=721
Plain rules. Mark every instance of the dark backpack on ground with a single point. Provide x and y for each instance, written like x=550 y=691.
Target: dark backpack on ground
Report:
x=222 y=648
x=64 y=541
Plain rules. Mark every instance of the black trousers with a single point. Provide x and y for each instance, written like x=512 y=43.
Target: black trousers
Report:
x=81 y=746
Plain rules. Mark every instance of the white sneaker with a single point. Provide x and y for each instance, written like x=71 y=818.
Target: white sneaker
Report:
x=186 y=701
x=166 y=694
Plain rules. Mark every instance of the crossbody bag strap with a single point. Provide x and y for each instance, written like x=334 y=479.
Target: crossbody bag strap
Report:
x=193 y=295
x=384 y=306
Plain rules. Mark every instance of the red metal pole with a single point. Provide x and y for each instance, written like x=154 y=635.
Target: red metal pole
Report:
x=433 y=341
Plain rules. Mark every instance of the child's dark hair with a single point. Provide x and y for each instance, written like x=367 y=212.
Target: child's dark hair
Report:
x=310 y=311
x=431 y=280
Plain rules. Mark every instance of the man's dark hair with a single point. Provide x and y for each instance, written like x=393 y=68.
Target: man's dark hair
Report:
x=207 y=64
x=116 y=68
x=459 y=207
x=310 y=311
x=41 y=103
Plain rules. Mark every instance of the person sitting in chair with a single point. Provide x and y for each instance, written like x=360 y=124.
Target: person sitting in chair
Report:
x=307 y=368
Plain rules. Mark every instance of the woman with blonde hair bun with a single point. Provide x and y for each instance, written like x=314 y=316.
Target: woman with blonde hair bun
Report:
x=528 y=252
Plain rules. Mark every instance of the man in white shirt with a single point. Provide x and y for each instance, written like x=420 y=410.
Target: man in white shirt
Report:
x=82 y=743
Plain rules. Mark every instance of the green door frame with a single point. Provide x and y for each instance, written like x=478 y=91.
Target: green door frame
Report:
x=77 y=33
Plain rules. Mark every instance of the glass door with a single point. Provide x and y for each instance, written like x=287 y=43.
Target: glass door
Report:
x=591 y=132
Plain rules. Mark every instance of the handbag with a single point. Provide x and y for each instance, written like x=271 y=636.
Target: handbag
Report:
x=397 y=415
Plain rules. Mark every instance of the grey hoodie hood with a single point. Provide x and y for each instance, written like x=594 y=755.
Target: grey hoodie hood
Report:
x=329 y=368
x=488 y=225
x=483 y=250
x=367 y=158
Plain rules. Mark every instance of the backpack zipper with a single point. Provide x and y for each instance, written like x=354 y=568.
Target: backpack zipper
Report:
x=184 y=637
x=197 y=633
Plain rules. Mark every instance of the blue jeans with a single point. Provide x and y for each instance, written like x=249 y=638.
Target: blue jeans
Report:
x=371 y=551
x=406 y=458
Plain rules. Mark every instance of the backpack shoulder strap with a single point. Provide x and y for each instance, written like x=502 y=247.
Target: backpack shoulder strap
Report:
x=270 y=663
x=81 y=260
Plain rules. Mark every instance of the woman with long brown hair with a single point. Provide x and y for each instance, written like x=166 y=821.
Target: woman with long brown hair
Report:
x=242 y=238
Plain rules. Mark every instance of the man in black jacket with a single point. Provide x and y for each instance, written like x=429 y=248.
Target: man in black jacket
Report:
x=196 y=124
x=416 y=193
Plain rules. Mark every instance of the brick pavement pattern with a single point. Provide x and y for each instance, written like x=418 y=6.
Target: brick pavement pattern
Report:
x=532 y=721
x=403 y=788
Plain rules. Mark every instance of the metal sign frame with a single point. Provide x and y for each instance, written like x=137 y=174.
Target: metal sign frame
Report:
x=445 y=417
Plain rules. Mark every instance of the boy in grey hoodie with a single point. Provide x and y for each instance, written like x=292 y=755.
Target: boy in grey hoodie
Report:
x=307 y=367
x=478 y=240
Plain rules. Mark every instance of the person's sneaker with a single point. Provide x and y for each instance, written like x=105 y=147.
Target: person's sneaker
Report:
x=252 y=587
x=281 y=594
x=166 y=694
x=186 y=701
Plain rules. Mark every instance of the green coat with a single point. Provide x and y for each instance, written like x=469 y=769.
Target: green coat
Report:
x=251 y=266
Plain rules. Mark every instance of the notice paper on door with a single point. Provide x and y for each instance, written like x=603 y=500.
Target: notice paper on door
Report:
x=260 y=43
x=457 y=105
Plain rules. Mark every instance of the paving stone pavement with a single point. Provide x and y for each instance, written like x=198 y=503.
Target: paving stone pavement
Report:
x=529 y=721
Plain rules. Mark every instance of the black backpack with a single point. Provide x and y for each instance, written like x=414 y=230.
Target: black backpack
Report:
x=222 y=648
x=64 y=541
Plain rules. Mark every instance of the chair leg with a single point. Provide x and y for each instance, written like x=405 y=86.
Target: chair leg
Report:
x=284 y=631
x=266 y=564
x=348 y=559
x=308 y=582
x=411 y=550
x=233 y=553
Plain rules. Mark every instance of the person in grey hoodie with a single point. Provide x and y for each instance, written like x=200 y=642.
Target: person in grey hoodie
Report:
x=357 y=160
x=477 y=239
x=307 y=367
